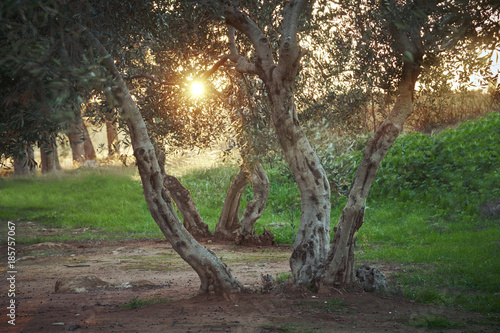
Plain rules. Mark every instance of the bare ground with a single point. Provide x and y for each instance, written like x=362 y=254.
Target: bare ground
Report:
x=174 y=285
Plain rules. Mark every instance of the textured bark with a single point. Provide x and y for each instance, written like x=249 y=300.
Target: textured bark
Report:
x=254 y=209
x=49 y=157
x=311 y=244
x=310 y=248
x=24 y=164
x=213 y=273
x=191 y=217
x=228 y=227
x=340 y=264
x=112 y=136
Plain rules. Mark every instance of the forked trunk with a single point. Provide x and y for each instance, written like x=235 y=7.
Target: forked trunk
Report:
x=191 y=217
x=228 y=227
x=310 y=248
x=340 y=264
x=213 y=273
x=254 y=209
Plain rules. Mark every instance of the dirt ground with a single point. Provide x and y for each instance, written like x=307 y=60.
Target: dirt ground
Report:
x=173 y=303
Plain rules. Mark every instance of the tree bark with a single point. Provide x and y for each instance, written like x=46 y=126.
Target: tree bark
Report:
x=213 y=273
x=254 y=209
x=87 y=144
x=49 y=156
x=76 y=139
x=112 y=136
x=80 y=142
x=191 y=217
x=311 y=244
x=340 y=264
x=228 y=227
x=24 y=163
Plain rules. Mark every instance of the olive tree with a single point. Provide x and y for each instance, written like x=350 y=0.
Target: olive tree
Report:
x=416 y=31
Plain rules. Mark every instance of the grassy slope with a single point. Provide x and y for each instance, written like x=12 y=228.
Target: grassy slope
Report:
x=424 y=213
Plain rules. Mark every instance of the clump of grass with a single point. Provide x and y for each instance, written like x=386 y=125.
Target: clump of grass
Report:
x=435 y=322
x=336 y=305
x=137 y=303
x=283 y=277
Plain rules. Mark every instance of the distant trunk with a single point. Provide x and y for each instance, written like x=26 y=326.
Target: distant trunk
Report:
x=340 y=264
x=76 y=139
x=228 y=227
x=184 y=202
x=79 y=140
x=254 y=209
x=49 y=157
x=213 y=273
x=24 y=163
x=112 y=136
x=87 y=144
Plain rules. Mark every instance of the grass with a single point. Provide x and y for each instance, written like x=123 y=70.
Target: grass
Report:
x=106 y=200
x=433 y=322
x=425 y=215
x=137 y=303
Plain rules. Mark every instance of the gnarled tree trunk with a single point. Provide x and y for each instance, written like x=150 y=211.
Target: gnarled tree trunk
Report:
x=311 y=244
x=340 y=265
x=228 y=226
x=312 y=241
x=213 y=273
x=254 y=209
x=191 y=217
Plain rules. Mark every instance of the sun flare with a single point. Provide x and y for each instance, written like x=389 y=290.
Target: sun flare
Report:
x=197 y=89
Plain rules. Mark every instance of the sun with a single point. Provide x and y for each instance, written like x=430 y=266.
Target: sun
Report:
x=197 y=89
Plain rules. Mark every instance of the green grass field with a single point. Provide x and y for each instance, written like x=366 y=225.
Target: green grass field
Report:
x=431 y=211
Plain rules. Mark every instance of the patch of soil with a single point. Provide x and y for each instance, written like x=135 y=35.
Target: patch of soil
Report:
x=151 y=271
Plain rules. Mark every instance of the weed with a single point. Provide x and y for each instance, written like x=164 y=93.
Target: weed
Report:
x=283 y=277
x=336 y=305
x=435 y=322
x=136 y=303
